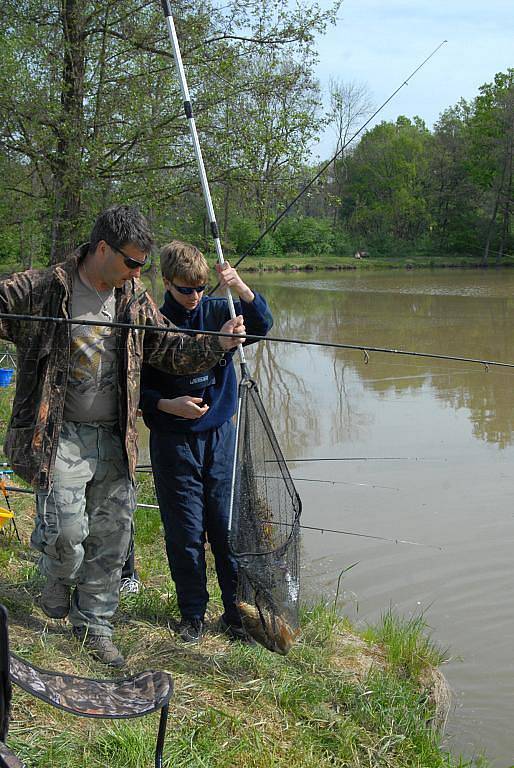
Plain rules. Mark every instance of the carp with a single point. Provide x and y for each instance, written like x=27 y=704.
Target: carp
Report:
x=271 y=631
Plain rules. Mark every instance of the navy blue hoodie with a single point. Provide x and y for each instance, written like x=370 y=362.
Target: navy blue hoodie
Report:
x=217 y=387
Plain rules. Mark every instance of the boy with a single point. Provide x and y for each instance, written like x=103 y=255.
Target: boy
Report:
x=192 y=438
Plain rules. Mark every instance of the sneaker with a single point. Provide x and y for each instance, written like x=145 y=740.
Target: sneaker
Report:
x=55 y=599
x=190 y=630
x=101 y=647
x=130 y=585
x=234 y=632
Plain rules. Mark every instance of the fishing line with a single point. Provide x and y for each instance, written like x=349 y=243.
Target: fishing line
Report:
x=364 y=348
x=329 y=162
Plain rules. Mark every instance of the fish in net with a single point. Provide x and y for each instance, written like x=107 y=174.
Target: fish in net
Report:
x=264 y=528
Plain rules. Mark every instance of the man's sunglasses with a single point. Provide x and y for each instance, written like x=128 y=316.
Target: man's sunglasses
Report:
x=186 y=291
x=128 y=260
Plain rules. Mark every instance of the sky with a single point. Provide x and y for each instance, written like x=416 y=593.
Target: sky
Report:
x=380 y=42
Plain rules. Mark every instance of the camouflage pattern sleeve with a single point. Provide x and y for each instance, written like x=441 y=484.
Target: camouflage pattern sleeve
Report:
x=15 y=298
x=177 y=352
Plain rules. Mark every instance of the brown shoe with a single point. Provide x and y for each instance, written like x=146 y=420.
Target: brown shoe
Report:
x=101 y=647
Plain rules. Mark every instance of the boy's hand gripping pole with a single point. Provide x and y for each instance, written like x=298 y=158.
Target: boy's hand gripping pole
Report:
x=188 y=109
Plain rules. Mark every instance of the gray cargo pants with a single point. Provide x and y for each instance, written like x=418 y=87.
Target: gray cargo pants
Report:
x=82 y=525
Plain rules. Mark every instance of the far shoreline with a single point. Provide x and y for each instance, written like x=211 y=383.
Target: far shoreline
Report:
x=338 y=264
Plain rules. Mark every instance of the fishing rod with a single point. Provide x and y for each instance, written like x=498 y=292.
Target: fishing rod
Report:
x=329 y=162
x=370 y=536
x=334 y=530
x=337 y=482
x=363 y=458
x=364 y=348
x=15 y=489
x=330 y=482
x=147 y=470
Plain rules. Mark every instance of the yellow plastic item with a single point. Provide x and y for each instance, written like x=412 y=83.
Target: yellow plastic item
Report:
x=5 y=516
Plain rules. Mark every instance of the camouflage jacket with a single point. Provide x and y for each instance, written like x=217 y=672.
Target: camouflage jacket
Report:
x=43 y=350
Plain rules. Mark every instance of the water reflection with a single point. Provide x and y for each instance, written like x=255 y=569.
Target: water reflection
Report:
x=443 y=321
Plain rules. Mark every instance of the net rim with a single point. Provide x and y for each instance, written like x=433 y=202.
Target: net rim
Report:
x=295 y=531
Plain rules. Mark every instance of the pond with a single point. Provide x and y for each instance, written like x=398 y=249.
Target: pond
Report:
x=407 y=448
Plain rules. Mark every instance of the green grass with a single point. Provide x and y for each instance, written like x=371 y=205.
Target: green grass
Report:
x=313 y=263
x=407 y=642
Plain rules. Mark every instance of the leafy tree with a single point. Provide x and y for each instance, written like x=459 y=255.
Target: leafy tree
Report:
x=90 y=110
x=387 y=173
x=491 y=127
x=450 y=190
x=305 y=235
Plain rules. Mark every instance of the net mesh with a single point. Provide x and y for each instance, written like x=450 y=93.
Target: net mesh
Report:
x=265 y=528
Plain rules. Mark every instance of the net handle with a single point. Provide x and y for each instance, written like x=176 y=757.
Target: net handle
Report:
x=234 y=457
x=188 y=110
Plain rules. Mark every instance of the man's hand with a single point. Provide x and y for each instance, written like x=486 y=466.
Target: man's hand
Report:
x=186 y=406
x=229 y=278
x=235 y=325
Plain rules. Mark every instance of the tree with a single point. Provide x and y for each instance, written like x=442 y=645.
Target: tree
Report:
x=491 y=156
x=90 y=109
x=350 y=104
x=451 y=193
x=385 y=193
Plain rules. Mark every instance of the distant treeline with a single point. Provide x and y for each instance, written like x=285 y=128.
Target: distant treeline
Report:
x=405 y=189
x=91 y=114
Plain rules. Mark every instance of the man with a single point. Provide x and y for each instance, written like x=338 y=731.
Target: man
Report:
x=192 y=439
x=72 y=433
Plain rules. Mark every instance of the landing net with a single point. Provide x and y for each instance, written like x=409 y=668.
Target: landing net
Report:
x=265 y=528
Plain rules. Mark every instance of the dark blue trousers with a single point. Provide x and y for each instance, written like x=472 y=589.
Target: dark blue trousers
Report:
x=192 y=474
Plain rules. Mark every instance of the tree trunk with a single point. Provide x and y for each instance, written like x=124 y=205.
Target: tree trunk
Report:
x=508 y=201
x=67 y=165
x=492 y=220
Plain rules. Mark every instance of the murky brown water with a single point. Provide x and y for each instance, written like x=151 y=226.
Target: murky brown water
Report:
x=453 y=424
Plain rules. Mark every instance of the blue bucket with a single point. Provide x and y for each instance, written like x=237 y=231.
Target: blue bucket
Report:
x=6 y=375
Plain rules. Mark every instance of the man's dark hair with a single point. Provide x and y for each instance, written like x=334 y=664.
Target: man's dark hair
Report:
x=120 y=225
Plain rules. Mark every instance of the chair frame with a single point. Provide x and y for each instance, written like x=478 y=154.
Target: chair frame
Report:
x=101 y=699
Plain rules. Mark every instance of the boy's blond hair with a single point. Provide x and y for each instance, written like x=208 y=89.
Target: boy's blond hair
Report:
x=184 y=261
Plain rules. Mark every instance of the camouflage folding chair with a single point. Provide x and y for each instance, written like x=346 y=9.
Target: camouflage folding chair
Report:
x=134 y=696
x=7 y=758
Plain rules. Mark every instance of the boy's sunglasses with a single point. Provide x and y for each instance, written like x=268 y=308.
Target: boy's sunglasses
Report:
x=128 y=260
x=186 y=291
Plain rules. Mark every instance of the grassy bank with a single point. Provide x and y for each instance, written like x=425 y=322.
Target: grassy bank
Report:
x=340 y=698
x=301 y=262
x=311 y=263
